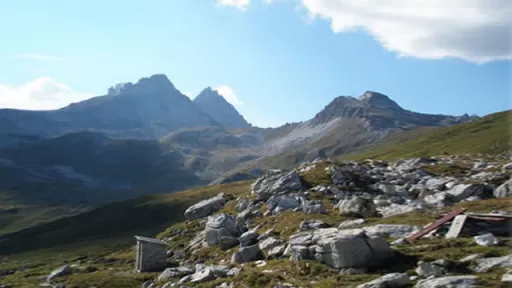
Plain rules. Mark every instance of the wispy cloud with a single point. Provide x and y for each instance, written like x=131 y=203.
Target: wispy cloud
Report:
x=228 y=94
x=38 y=57
x=239 y=4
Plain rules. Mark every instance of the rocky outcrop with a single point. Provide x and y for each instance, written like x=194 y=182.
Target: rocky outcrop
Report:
x=276 y=182
x=207 y=207
x=223 y=229
x=340 y=248
x=358 y=207
x=504 y=190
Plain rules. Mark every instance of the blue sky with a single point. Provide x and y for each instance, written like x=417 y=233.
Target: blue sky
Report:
x=281 y=63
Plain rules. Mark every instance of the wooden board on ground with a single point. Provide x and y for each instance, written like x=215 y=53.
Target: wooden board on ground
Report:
x=457 y=225
x=434 y=225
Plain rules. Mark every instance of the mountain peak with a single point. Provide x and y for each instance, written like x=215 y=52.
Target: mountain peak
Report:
x=211 y=102
x=379 y=100
x=154 y=84
x=157 y=81
x=209 y=93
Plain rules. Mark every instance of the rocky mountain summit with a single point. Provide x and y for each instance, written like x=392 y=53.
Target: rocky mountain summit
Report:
x=148 y=109
x=218 y=108
x=331 y=223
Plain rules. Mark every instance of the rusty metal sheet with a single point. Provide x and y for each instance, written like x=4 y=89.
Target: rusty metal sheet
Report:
x=435 y=225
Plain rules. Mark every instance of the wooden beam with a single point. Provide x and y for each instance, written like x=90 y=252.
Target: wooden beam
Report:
x=434 y=225
x=457 y=225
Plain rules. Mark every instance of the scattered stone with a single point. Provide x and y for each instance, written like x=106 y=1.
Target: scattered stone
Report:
x=312 y=224
x=278 y=204
x=391 y=280
x=463 y=191
x=351 y=223
x=314 y=207
x=507 y=166
x=234 y=271
x=202 y=275
x=269 y=243
x=504 y=190
x=61 y=271
x=175 y=272
x=276 y=252
x=426 y=270
x=449 y=281
x=486 y=264
x=472 y=257
x=390 y=230
x=350 y=248
x=206 y=207
x=242 y=204
x=220 y=270
x=276 y=182
x=247 y=254
x=228 y=242
x=358 y=207
x=486 y=240
x=507 y=277
x=221 y=225
x=266 y=234
x=352 y=271
x=400 y=241
x=248 y=238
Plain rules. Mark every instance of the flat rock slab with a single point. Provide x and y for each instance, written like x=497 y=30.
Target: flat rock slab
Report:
x=449 y=282
x=486 y=264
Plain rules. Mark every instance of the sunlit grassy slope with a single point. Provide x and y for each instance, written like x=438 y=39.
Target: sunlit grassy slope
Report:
x=488 y=135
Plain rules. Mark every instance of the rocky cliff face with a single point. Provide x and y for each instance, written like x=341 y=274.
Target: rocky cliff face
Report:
x=219 y=109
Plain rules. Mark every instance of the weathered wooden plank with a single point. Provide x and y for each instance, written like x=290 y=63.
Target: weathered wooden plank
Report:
x=457 y=225
x=490 y=215
x=487 y=218
x=435 y=225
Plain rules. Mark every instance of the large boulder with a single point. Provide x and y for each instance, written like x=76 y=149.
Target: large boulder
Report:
x=463 y=191
x=247 y=254
x=358 y=207
x=206 y=207
x=314 y=207
x=350 y=248
x=390 y=230
x=278 y=204
x=276 y=182
x=222 y=226
x=504 y=190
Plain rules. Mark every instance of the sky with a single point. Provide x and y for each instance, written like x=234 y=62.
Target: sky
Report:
x=276 y=61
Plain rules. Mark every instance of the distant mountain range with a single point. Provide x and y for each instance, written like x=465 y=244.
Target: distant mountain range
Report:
x=148 y=137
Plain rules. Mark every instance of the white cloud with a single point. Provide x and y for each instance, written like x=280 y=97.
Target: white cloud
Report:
x=473 y=30
x=188 y=94
x=239 y=4
x=44 y=93
x=228 y=94
x=38 y=57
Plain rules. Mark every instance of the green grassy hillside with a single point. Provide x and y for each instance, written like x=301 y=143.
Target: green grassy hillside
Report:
x=118 y=222
x=488 y=135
